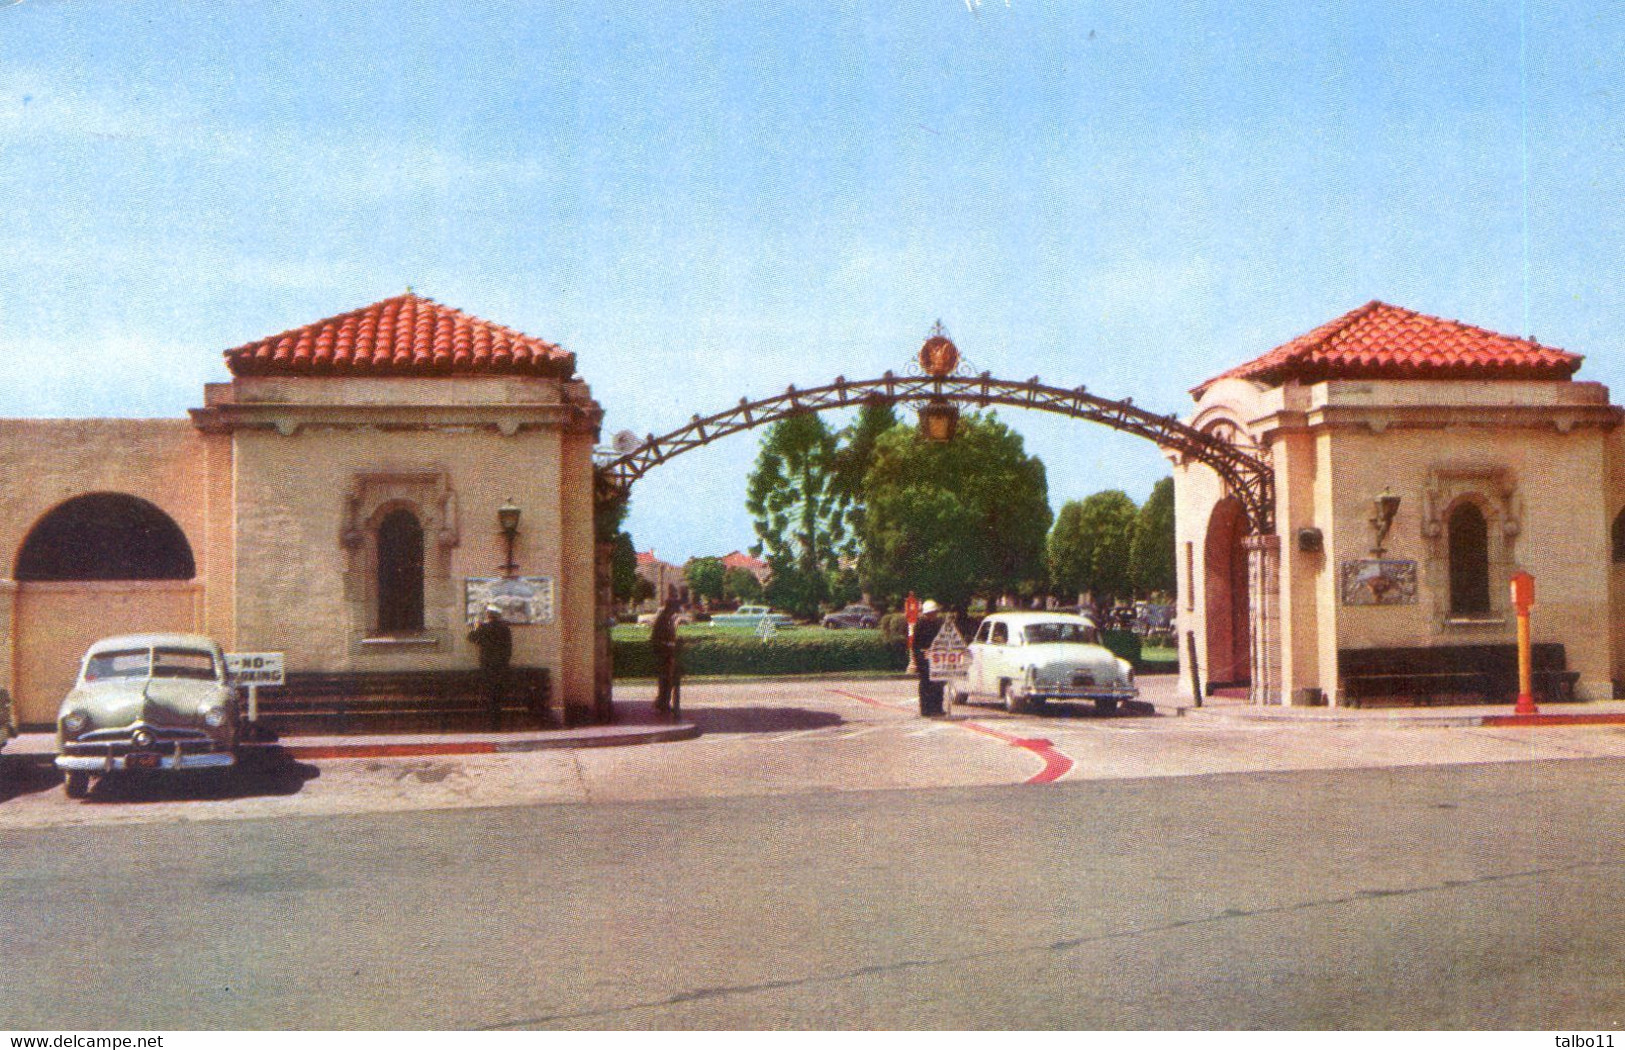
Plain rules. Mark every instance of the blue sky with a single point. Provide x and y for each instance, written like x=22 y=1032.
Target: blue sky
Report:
x=706 y=201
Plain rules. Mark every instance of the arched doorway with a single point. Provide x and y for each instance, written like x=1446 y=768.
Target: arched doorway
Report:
x=95 y=565
x=1225 y=597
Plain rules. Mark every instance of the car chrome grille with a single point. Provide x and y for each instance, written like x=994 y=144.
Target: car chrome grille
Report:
x=118 y=741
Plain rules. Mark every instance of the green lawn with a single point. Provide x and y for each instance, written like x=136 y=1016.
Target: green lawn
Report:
x=631 y=632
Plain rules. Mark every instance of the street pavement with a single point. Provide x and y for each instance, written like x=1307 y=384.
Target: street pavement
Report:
x=1463 y=896
x=822 y=857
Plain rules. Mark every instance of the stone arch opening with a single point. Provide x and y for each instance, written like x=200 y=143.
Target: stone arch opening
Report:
x=105 y=536
x=1226 y=600
x=400 y=573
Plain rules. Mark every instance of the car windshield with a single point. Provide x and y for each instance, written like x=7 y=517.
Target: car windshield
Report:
x=164 y=663
x=1049 y=633
x=183 y=663
x=118 y=663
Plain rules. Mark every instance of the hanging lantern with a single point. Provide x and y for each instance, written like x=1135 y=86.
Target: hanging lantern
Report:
x=939 y=420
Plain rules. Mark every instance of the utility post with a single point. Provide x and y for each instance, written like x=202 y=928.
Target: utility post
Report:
x=1523 y=599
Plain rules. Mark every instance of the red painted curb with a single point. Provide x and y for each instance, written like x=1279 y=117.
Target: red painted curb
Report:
x=1530 y=721
x=1056 y=764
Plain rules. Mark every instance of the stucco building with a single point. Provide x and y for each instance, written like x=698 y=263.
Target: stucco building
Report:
x=1418 y=463
x=337 y=500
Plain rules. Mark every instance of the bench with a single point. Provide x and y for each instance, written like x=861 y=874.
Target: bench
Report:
x=350 y=702
x=1452 y=674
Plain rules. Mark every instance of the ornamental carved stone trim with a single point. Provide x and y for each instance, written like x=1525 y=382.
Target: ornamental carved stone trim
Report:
x=427 y=491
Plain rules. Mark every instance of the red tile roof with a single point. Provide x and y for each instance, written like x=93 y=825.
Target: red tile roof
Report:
x=1379 y=341
x=740 y=560
x=407 y=335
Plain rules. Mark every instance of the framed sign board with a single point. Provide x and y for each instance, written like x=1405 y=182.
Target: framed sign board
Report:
x=1378 y=581
x=524 y=600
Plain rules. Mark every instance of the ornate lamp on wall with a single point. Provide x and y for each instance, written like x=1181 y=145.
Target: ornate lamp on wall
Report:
x=1383 y=509
x=508 y=518
x=939 y=418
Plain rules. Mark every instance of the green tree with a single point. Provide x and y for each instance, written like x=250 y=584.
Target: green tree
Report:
x=1151 y=566
x=607 y=520
x=741 y=585
x=792 y=496
x=854 y=455
x=704 y=576
x=1088 y=550
x=954 y=520
x=794 y=589
x=1069 y=552
x=624 y=568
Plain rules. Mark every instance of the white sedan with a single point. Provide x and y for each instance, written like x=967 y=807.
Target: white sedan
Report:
x=1026 y=658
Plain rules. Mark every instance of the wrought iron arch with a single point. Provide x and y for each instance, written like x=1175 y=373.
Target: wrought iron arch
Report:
x=1245 y=473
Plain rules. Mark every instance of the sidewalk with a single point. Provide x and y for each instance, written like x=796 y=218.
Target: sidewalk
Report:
x=636 y=723
x=1172 y=697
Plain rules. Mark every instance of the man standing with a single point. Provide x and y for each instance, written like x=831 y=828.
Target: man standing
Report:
x=668 y=669
x=925 y=632
x=494 y=639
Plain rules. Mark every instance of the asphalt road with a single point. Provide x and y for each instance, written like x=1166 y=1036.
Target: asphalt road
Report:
x=1449 y=896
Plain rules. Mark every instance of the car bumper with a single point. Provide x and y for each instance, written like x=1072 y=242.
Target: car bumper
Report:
x=117 y=763
x=1050 y=692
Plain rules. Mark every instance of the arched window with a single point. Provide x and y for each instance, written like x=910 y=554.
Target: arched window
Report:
x=1469 y=562
x=1619 y=538
x=400 y=573
x=106 y=536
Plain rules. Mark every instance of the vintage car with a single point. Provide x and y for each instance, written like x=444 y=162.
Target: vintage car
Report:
x=147 y=702
x=1026 y=658
x=751 y=616
x=855 y=615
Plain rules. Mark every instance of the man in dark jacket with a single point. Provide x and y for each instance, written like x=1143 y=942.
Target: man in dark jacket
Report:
x=494 y=639
x=668 y=669
x=926 y=629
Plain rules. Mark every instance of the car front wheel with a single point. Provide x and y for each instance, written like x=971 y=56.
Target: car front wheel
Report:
x=1014 y=701
x=1106 y=704
x=77 y=784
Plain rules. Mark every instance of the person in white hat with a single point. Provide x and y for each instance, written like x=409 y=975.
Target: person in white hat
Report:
x=925 y=632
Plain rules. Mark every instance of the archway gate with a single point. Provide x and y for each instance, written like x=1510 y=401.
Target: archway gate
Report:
x=1245 y=471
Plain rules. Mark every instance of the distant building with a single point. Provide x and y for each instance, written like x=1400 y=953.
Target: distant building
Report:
x=663 y=576
x=755 y=566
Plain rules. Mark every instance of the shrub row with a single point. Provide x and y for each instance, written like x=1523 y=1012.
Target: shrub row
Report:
x=781 y=654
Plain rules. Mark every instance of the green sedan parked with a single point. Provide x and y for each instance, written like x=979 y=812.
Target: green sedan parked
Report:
x=148 y=702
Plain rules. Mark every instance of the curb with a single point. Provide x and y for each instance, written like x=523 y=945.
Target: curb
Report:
x=1429 y=721
x=334 y=747
x=426 y=745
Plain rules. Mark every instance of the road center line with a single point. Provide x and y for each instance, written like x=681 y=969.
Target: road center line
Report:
x=1056 y=763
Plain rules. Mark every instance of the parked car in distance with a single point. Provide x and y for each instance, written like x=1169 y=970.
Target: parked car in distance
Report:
x=648 y=619
x=158 y=702
x=1027 y=658
x=855 y=615
x=750 y=616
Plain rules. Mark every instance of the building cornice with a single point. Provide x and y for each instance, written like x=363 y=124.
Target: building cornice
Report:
x=288 y=419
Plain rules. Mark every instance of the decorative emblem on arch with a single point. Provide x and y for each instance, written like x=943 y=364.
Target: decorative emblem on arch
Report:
x=1245 y=472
